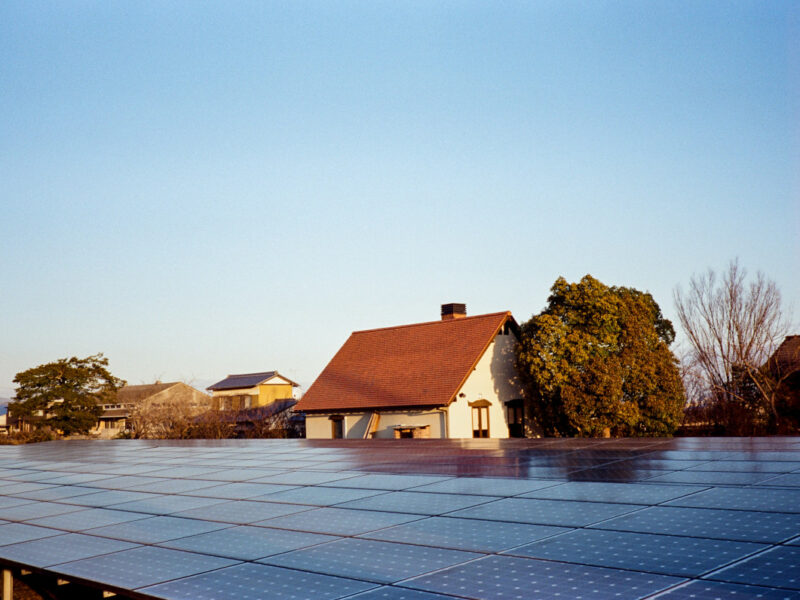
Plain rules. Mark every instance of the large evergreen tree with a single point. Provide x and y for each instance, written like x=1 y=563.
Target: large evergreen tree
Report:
x=68 y=391
x=597 y=358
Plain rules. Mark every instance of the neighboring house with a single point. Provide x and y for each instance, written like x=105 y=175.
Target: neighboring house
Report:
x=785 y=361
x=148 y=408
x=3 y=420
x=250 y=390
x=784 y=365
x=453 y=378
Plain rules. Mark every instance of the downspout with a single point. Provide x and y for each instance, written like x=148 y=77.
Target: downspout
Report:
x=446 y=412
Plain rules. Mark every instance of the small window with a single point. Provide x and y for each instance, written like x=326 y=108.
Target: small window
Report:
x=337 y=427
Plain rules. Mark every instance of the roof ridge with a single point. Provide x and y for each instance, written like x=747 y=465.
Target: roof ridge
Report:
x=250 y=374
x=459 y=320
x=152 y=384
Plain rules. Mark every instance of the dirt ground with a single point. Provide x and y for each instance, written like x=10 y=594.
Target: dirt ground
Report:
x=23 y=592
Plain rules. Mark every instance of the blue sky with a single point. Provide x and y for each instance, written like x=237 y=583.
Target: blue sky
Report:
x=197 y=189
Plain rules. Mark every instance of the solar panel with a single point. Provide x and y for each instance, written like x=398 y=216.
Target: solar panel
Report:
x=386 y=482
x=9 y=501
x=510 y=578
x=388 y=592
x=545 y=512
x=418 y=502
x=172 y=486
x=790 y=480
x=15 y=487
x=141 y=566
x=322 y=496
x=485 y=486
x=256 y=582
x=382 y=562
x=156 y=529
x=190 y=472
x=57 y=493
x=76 y=478
x=105 y=498
x=406 y=509
x=625 y=493
x=668 y=555
x=709 y=523
x=124 y=482
x=306 y=477
x=36 y=509
x=127 y=469
x=339 y=521
x=750 y=466
x=240 y=474
x=157 y=504
x=756 y=499
x=241 y=511
x=59 y=549
x=465 y=534
x=618 y=473
x=13 y=533
x=37 y=476
x=778 y=567
x=239 y=490
x=248 y=543
x=712 y=477
x=87 y=518
x=712 y=590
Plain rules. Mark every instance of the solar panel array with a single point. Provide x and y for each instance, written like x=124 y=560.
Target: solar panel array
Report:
x=408 y=519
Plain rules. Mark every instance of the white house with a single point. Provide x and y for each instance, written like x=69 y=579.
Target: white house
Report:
x=452 y=378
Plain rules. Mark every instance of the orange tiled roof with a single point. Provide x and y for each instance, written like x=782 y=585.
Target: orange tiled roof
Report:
x=411 y=365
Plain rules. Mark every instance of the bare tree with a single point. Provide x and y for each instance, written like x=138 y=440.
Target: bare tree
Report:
x=733 y=326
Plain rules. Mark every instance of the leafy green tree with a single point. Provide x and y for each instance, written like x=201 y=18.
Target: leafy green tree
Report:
x=68 y=392
x=597 y=358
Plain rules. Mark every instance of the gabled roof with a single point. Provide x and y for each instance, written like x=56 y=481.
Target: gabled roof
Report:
x=786 y=359
x=247 y=380
x=131 y=394
x=422 y=365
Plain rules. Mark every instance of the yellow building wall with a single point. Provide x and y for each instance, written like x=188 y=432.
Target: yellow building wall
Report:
x=268 y=393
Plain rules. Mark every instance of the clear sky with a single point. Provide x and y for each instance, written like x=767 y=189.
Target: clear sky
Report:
x=204 y=188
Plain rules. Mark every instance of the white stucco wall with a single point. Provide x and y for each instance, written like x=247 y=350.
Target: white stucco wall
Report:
x=355 y=424
x=318 y=427
x=433 y=418
x=494 y=379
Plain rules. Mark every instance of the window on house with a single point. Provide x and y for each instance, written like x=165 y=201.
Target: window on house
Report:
x=480 y=421
x=337 y=427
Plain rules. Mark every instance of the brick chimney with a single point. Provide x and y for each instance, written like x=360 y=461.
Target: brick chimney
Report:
x=453 y=311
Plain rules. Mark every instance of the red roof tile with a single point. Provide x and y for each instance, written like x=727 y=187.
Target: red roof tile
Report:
x=786 y=359
x=411 y=365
